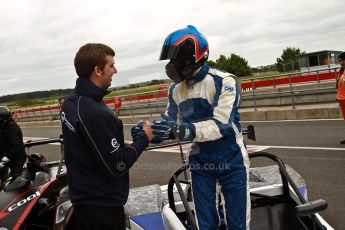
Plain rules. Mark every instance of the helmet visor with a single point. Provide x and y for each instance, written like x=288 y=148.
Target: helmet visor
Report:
x=168 y=52
x=183 y=51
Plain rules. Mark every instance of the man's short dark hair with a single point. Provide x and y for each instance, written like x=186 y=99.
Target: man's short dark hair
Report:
x=61 y=100
x=89 y=56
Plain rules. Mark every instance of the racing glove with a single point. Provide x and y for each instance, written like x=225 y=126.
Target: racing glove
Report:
x=185 y=132
x=169 y=129
x=163 y=129
x=137 y=130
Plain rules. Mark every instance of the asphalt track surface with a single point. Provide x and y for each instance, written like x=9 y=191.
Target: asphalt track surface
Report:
x=312 y=148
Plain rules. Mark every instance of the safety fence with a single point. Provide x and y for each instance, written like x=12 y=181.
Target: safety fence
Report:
x=306 y=87
x=277 y=90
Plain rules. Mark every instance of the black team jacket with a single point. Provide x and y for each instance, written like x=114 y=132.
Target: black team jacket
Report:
x=96 y=158
x=12 y=146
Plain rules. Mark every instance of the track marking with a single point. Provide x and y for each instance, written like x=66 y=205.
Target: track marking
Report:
x=186 y=147
x=250 y=148
x=302 y=147
x=277 y=121
x=314 y=158
x=25 y=139
x=306 y=120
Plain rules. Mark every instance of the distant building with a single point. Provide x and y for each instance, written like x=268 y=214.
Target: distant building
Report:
x=319 y=60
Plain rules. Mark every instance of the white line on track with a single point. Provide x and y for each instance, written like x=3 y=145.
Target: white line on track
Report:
x=251 y=148
x=315 y=158
x=41 y=126
x=25 y=139
x=302 y=147
x=186 y=147
x=275 y=121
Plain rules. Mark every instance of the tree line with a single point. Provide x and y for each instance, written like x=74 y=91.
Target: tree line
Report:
x=238 y=65
x=24 y=98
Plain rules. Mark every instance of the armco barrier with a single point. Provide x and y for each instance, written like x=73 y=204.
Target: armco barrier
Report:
x=300 y=94
x=283 y=79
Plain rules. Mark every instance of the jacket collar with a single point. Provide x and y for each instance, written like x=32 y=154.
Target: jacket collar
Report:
x=86 y=88
x=200 y=75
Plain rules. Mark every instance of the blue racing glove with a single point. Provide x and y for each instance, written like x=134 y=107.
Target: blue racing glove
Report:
x=185 y=132
x=137 y=130
x=168 y=129
x=163 y=129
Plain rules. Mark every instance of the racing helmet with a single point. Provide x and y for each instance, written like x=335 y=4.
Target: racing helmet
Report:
x=187 y=50
x=5 y=114
x=341 y=56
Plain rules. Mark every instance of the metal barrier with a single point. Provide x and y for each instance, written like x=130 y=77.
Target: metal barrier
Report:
x=276 y=90
x=293 y=94
x=37 y=114
x=293 y=77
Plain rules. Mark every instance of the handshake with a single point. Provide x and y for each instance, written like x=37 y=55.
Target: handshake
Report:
x=166 y=129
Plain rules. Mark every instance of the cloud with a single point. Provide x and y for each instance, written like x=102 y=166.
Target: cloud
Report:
x=39 y=39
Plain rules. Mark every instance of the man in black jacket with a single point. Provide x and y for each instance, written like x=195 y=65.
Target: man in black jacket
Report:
x=97 y=157
x=11 y=143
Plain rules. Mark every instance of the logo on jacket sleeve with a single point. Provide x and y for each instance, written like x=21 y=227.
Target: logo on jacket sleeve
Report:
x=115 y=144
x=66 y=122
x=229 y=88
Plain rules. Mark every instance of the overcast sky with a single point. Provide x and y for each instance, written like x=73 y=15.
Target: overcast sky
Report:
x=39 y=38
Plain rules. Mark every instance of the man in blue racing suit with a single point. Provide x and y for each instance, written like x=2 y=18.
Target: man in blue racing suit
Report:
x=203 y=107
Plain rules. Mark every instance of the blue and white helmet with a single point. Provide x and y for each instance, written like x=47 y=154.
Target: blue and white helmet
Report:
x=187 y=50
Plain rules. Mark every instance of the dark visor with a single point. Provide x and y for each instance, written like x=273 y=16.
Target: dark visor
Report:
x=168 y=52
